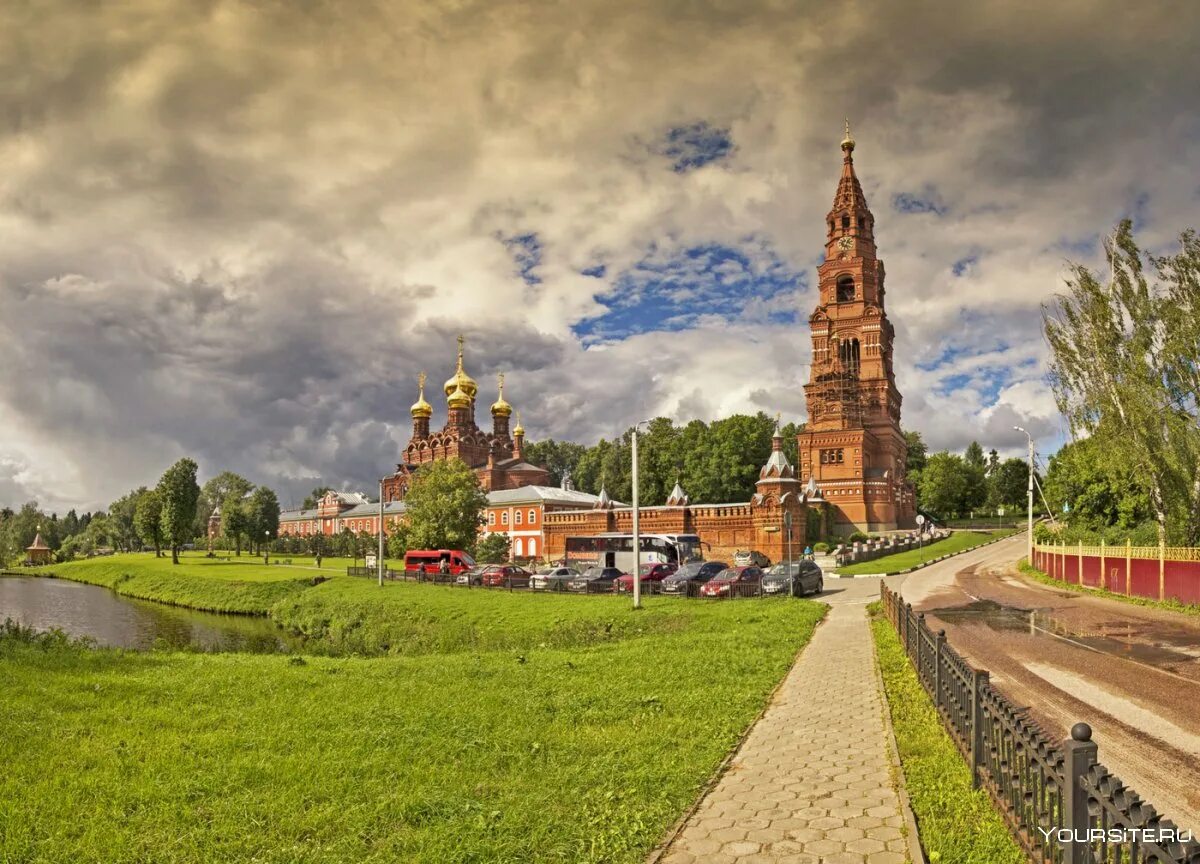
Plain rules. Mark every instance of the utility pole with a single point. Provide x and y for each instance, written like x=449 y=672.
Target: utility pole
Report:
x=637 y=534
x=379 y=563
x=1029 y=439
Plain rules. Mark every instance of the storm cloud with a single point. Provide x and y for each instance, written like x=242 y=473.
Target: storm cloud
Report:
x=239 y=230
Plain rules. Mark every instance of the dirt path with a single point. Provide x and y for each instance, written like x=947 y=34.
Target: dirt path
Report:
x=1132 y=672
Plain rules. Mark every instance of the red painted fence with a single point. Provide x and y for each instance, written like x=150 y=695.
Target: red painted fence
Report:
x=1156 y=572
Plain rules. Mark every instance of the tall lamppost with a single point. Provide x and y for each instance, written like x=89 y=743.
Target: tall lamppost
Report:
x=266 y=547
x=637 y=534
x=1029 y=438
x=380 y=562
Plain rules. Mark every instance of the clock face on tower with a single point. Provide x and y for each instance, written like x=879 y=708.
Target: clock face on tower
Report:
x=844 y=244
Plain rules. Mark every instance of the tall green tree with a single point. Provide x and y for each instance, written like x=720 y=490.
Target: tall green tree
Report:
x=235 y=521
x=557 y=457
x=942 y=484
x=444 y=506
x=975 y=490
x=262 y=511
x=147 y=518
x=1100 y=493
x=1010 y=485
x=178 y=492
x=123 y=534
x=1124 y=375
x=492 y=549
x=918 y=454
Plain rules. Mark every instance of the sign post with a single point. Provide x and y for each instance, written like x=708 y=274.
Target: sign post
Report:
x=921 y=536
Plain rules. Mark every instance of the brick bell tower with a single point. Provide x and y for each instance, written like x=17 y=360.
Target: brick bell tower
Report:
x=852 y=447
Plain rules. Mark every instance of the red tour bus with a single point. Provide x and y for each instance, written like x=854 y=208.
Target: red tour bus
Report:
x=456 y=560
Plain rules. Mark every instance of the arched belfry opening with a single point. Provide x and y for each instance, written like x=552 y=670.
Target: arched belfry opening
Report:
x=845 y=289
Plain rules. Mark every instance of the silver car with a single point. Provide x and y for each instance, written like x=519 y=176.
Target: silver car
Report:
x=553 y=579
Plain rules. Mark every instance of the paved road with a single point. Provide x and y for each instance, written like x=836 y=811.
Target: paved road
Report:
x=1132 y=672
x=812 y=782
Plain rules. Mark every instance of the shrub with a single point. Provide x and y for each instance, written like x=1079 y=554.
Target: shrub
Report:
x=857 y=537
x=820 y=548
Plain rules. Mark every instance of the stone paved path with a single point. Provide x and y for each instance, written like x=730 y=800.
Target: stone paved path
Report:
x=812 y=782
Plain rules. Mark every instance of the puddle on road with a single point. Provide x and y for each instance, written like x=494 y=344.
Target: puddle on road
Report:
x=1118 y=638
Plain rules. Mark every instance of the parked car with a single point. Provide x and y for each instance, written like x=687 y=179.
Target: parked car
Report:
x=474 y=576
x=552 y=578
x=651 y=572
x=506 y=576
x=750 y=558
x=806 y=578
x=694 y=572
x=732 y=581
x=594 y=578
x=456 y=561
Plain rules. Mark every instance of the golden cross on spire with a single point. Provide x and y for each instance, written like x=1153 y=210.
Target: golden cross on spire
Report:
x=778 y=417
x=461 y=339
x=500 y=383
x=848 y=141
x=421 y=384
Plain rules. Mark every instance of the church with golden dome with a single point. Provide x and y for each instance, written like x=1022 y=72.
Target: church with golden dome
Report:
x=496 y=456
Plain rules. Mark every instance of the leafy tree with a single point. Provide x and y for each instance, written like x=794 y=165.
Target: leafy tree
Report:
x=147 y=518
x=178 y=492
x=975 y=490
x=397 y=541
x=70 y=524
x=943 y=484
x=314 y=496
x=262 y=516
x=444 y=506
x=1126 y=372
x=1099 y=493
x=492 y=549
x=1010 y=484
x=556 y=457
x=235 y=521
x=122 y=533
x=917 y=455
x=215 y=493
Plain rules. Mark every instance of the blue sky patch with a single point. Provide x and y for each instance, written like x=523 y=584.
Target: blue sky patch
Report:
x=675 y=290
x=695 y=145
x=926 y=201
x=526 y=251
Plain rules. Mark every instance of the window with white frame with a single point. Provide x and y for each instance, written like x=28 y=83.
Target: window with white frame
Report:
x=517 y=517
x=504 y=518
x=532 y=515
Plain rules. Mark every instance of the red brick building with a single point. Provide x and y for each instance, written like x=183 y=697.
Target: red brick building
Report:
x=852 y=446
x=496 y=456
x=759 y=524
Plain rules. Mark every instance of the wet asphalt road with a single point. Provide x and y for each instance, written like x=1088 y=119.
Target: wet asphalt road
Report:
x=1131 y=672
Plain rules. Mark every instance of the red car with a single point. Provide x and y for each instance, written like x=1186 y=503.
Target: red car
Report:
x=733 y=581
x=650 y=573
x=505 y=576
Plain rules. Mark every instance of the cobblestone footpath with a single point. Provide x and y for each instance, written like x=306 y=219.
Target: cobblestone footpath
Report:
x=811 y=783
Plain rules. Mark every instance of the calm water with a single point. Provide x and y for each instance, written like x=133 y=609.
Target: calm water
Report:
x=110 y=619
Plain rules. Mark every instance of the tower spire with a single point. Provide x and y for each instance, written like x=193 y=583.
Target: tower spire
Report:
x=848 y=141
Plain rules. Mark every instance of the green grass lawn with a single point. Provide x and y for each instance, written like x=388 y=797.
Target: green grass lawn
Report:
x=957 y=824
x=231 y=584
x=519 y=728
x=959 y=541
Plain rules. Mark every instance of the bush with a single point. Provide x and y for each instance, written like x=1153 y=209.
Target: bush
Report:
x=821 y=548
x=857 y=537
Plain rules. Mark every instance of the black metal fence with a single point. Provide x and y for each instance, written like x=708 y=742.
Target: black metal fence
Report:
x=1061 y=804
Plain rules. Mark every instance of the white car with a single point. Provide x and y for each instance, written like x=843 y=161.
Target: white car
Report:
x=555 y=577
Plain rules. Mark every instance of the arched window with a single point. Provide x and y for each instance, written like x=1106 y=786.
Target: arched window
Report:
x=849 y=353
x=846 y=222
x=532 y=547
x=517 y=547
x=845 y=288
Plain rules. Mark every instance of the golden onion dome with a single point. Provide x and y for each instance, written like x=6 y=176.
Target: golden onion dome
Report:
x=520 y=430
x=848 y=141
x=421 y=408
x=461 y=379
x=459 y=398
x=500 y=408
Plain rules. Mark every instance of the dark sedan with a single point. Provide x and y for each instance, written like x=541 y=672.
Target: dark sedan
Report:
x=594 y=579
x=734 y=581
x=805 y=578
x=694 y=572
x=505 y=576
x=650 y=573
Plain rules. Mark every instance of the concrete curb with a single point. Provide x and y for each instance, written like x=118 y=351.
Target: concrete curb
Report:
x=919 y=566
x=916 y=852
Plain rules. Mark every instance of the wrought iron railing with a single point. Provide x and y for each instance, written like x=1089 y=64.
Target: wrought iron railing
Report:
x=1062 y=806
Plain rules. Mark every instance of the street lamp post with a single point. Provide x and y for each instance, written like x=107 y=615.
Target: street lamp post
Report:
x=637 y=534
x=380 y=562
x=787 y=526
x=1029 y=439
x=266 y=547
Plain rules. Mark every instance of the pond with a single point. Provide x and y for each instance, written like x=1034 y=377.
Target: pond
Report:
x=108 y=618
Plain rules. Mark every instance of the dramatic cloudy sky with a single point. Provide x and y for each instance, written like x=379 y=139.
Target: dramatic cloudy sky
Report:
x=238 y=230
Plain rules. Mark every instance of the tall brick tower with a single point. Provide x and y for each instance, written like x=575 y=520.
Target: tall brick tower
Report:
x=852 y=446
